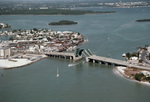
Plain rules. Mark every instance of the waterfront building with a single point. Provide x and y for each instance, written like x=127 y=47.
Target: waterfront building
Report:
x=5 y=52
x=148 y=48
x=146 y=73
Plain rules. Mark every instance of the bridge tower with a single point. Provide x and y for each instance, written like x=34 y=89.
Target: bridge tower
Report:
x=85 y=52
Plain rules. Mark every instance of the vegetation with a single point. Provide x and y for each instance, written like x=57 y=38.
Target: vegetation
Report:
x=148 y=79
x=63 y=22
x=49 y=12
x=143 y=20
x=139 y=76
x=140 y=61
x=134 y=54
x=11 y=38
x=1 y=26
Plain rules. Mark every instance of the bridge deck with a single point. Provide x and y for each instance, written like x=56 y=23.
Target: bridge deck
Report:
x=115 y=61
x=109 y=60
x=99 y=58
x=61 y=53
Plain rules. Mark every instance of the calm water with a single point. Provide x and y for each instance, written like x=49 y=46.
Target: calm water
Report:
x=83 y=82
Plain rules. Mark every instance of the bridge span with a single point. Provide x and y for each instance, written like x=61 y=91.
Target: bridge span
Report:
x=94 y=59
x=113 y=62
x=63 y=55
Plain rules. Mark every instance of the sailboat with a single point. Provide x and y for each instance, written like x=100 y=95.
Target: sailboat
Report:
x=57 y=73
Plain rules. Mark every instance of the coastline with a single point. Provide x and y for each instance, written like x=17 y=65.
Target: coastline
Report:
x=57 y=14
x=20 y=62
x=120 y=72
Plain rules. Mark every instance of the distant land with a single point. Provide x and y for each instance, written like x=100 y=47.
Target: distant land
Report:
x=143 y=20
x=49 y=12
x=63 y=22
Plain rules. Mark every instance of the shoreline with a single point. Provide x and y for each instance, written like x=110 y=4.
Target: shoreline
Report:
x=120 y=72
x=20 y=62
x=56 y=14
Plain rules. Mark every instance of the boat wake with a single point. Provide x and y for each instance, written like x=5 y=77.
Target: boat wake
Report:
x=73 y=64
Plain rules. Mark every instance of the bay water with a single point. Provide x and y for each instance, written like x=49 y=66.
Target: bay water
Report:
x=108 y=35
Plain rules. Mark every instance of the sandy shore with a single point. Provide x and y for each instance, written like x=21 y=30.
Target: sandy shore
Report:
x=121 y=72
x=20 y=62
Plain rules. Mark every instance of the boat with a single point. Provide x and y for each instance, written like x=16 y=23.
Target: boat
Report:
x=57 y=73
x=73 y=64
x=69 y=65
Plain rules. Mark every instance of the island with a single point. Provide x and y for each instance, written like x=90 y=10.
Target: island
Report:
x=63 y=22
x=143 y=20
x=3 y=25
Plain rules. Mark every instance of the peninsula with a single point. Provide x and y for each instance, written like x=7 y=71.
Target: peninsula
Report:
x=141 y=58
x=63 y=22
x=28 y=46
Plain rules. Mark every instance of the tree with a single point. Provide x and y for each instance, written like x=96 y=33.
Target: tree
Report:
x=128 y=55
x=149 y=56
x=11 y=38
x=148 y=78
x=139 y=76
x=35 y=29
x=140 y=61
x=1 y=26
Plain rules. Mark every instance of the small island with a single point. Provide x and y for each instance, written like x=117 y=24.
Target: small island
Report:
x=63 y=22
x=143 y=20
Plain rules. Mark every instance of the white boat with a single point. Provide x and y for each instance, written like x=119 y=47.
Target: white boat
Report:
x=69 y=65
x=73 y=64
x=57 y=73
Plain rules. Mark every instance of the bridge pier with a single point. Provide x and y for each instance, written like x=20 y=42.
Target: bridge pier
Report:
x=63 y=55
x=93 y=61
x=106 y=63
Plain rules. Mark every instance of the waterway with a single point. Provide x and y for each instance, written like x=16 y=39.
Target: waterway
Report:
x=109 y=35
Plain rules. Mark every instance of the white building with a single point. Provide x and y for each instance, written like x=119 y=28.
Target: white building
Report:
x=5 y=52
x=43 y=8
x=148 y=48
x=146 y=73
x=134 y=58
